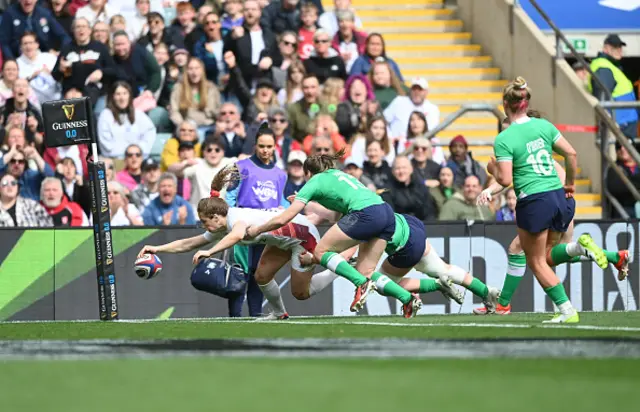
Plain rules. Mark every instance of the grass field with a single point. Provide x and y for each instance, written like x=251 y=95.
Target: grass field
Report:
x=293 y=382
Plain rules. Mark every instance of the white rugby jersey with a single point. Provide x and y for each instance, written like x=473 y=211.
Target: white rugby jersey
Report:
x=300 y=231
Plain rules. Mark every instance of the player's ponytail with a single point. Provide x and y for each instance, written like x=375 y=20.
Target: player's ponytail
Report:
x=320 y=163
x=516 y=96
x=215 y=205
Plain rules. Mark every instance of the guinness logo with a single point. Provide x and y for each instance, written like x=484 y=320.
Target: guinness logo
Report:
x=69 y=110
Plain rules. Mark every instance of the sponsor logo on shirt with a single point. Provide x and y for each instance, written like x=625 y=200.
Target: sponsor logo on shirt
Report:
x=265 y=190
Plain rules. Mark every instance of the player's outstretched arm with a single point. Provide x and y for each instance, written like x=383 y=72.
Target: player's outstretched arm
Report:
x=177 y=246
x=230 y=240
x=277 y=221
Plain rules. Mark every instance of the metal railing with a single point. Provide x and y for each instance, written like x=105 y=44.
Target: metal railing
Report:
x=466 y=108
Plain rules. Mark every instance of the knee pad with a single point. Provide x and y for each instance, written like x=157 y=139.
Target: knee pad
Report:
x=432 y=265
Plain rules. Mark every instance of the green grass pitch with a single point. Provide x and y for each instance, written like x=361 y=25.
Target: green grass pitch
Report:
x=328 y=384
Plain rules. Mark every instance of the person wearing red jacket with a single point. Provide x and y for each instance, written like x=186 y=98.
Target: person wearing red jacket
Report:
x=62 y=211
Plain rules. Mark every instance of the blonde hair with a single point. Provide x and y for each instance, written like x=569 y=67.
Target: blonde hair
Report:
x=395 y=81
x=332 y=91
x=516 y=95
x=186 y=90
x=295 y=65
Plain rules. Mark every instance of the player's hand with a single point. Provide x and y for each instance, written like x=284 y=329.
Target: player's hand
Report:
x=484 y=198
x=492 y=166
x=201 y=254
x=569 y=190
x=148 y=249
x=306 y=259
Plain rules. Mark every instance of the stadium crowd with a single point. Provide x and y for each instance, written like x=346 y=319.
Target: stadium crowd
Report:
x=208 y=74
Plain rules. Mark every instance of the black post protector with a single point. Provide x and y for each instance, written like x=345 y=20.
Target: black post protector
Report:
x=71 y=122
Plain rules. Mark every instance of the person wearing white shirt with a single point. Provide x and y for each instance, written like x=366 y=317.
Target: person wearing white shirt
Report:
x=329 y=21
x=123 y=213
x=120 y=125
x=400 y=109
x=202 y=173
x=36 y=67
x=97 y=10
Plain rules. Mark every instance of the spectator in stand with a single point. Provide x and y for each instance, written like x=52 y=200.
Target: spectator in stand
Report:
x=109 y=168
x=73 y=184
x=17 y=211
x=376 y=168
x=138 y=24
x=121 y=125
x=97 y=10
x=255 y=49
x=608 y=70
x=332 y=93
x=445 y=190
x=18 y=111
x=353 y=167
x=462 y=206
x=101 y=33
x=131 y=175
x=185 y=23
x=348 y=42
x=61 y=10
x=462 y=163
x=231 y=132
x=122 y=212
x=376 y=130
x=407 y=193
x=261 y=187
x=201 y=15
x=306 y=109
x=324 y=126
x=233 y=16
x=85 y=65
x=10 y=73
x=329 y=19
x=281 y=16
x=287 y=46
x=256 y=106
x=118 y=23
x=309 y=17
x=147 y=190
x=418 y=127
x=168 y=208
x=135 y=65
x=187 y=156
x=36 y=67
x=324 y=61
x=424 y=168
x=168 y=75
x=63 y=212
x=507 y=213
x=292 y=92
x=279 y=123
x=386 y=84
x=195 y=98
x=26 y=15
x=618 y=189
x=295 y=173
x=202 y=173
x=186 y=132
x=400 y=109
x=159 y=33
x=321 y=145
x=357 y=105
x=13 y=137
x=208 y=48
x=581 y=71
x=374 y=50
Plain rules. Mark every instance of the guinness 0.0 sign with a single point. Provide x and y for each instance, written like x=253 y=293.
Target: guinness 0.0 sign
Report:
x=67 y=122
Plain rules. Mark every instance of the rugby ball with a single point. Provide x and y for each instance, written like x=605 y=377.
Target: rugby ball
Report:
x=148 y=266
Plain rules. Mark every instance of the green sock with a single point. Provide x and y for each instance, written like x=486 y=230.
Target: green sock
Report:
x=612 y=257
x=478 y=288
x=559 y=254
x=576 y=259
x=428 y=285
x=390 y=288
x=515 y=272
x=557 y=294
x=333 y=261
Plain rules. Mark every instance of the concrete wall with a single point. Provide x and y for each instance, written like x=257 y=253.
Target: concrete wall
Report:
x=528 y=53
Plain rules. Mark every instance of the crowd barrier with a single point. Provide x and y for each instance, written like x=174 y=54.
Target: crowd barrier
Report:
x=49 y=274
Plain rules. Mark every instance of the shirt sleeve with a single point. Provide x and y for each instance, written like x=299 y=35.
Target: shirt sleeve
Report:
x=308 y=191
x=553 y=133
x=502 y=150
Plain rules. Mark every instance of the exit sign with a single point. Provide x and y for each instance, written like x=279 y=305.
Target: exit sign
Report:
x=579 y=43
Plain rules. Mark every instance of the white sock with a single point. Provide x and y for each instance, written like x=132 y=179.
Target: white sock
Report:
x=321 y=280
x=566 y=308
x=271 y=292
x=575 y=249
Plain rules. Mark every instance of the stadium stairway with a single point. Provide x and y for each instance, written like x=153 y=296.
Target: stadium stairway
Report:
x=428 y=40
